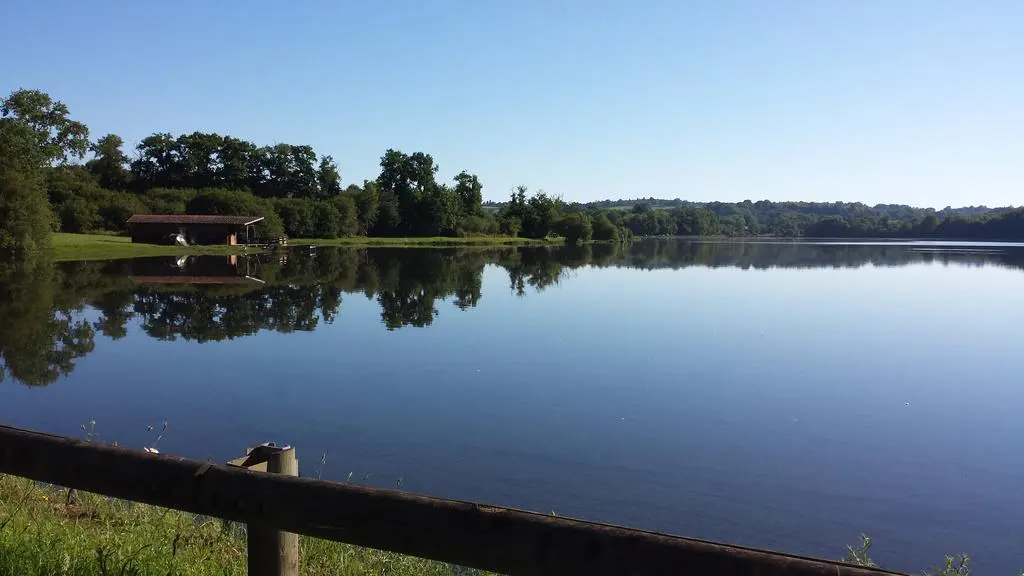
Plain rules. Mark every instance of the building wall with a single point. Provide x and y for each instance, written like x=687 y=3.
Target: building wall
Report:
x=194 y=233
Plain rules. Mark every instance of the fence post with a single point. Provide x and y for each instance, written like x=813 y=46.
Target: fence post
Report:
x=271 y=552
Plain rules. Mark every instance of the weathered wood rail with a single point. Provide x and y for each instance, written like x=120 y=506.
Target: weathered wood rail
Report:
x=485 y=537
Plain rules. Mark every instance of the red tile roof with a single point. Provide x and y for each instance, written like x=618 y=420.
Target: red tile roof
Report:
x=193 y=219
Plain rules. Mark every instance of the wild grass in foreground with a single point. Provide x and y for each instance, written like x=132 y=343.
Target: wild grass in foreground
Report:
x=952 y=565
x=42 y=533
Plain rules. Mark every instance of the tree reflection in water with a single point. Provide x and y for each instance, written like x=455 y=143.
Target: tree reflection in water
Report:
x=50 y=313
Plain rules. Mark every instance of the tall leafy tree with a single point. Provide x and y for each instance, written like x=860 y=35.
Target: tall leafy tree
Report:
x=159 y=164
x=470 y=193
x=276 y=165
x=25 y=215
x=109 y=164
x=328 y=179
x=368 y=206
x=235 y=158
x=58 y=138
x=439 y=212
x=199 y=155
x=405 y=180
x=302 y=174
x=35 y=132
x=540 y=216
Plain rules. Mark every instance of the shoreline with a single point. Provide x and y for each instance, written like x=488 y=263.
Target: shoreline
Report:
x=68 y=247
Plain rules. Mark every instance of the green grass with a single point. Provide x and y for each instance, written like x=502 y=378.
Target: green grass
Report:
x=42 y=535
x=108 y=247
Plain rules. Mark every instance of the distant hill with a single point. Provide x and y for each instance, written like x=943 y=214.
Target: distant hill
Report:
x=658 y=216
x=842 y=209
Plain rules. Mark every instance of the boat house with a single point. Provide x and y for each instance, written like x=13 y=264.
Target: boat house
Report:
x=192 y=229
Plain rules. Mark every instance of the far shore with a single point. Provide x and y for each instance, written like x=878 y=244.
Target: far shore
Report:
x=70 y=247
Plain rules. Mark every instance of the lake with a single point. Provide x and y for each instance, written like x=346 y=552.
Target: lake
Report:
x=774 y=394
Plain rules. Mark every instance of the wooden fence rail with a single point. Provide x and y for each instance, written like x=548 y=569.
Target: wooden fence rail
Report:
x=485 y=537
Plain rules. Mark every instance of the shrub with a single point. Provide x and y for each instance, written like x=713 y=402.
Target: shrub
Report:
x=575 y=228
x=478 y=225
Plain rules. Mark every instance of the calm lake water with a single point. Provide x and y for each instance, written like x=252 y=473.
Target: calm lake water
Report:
x=780 y=395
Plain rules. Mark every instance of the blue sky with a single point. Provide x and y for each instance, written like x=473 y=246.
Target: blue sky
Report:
x=904 y=101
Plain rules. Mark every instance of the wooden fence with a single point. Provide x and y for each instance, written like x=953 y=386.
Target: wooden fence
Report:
x=473 y=535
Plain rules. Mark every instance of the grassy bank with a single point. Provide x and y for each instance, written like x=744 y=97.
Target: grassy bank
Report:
x=108 y=247
x=41 y=535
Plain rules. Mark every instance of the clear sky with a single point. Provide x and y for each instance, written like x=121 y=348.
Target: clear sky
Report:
x=903 y=101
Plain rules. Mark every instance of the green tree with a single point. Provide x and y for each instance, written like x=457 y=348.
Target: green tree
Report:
x=574 y=227
x=928 y=224
x=439 y=212
x=235 y=161
x=348 y=215
x=302 y=174
x=237 y=203
x=603 y=229
x=326 y=220
x=694 y=221
x=26 y=218
x=115 y=208
x=57 y=137
x=75 y=196
x=474 y=225
x=541 y=213
x=158 y=164
x=286 y=171
x=109 y=164
x=368 y=206
x=406 y=180
x=328 y=179
x=35 y=132
x=470 y=193
x=297 y=215
x=198 y=154
x=167 y=200
x=510 y=225
x=76 y=214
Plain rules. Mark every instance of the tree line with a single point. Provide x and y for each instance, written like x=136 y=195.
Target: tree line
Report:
x=49 y=184
x=658 y=217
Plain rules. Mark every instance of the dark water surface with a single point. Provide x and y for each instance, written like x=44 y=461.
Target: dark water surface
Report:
x=782 y=395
